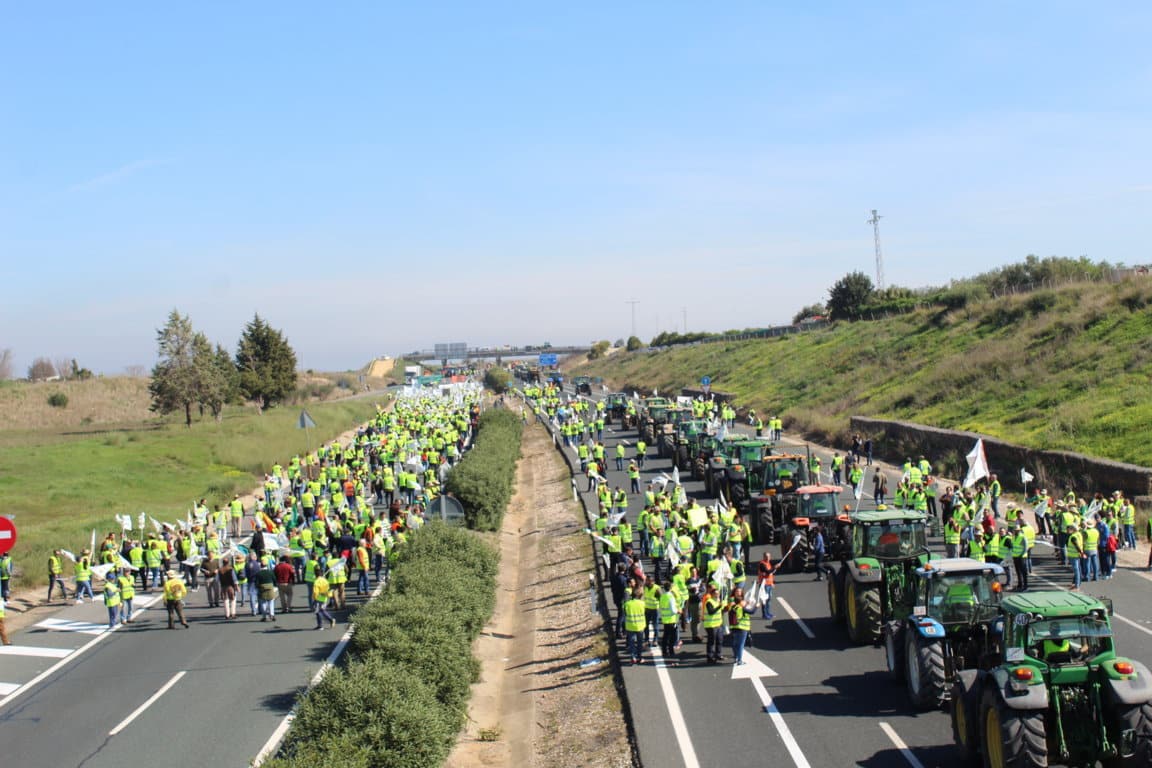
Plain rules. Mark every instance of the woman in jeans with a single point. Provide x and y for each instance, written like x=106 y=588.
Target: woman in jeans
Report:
x=740 y=622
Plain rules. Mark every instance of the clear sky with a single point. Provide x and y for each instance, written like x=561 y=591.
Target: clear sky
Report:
x=374 y=177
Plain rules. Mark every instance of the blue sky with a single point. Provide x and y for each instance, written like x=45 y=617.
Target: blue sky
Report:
x=376 y=177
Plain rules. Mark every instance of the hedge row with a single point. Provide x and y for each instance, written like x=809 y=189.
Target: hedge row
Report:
x=484 y=478
x=401 y=699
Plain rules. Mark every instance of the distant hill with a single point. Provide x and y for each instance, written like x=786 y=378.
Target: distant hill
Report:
x=1065 y=368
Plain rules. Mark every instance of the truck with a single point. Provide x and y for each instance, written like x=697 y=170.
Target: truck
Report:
x=875 y=580
x=947 y=628
x=411 y=373
x=1059 y=693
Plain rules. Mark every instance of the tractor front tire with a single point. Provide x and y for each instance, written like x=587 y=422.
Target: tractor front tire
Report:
x=927 y=684
x=1138 y=718
x=894 y=650
x=862 y=610
x=966 y=717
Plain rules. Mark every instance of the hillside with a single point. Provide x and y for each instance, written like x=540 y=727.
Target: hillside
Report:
x=1065 y=368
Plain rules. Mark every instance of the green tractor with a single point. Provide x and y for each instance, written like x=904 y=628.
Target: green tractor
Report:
x=801 y=512
x=1059 y=694
x=653 y=414
x=875 y=579
x=728 y=467
x=582 y=385
x=772 y=485
x=667 y=433
x=616 y=409
x=948 y=627
x=688 y=433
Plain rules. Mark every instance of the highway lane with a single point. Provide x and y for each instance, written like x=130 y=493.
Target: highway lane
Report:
x=836 y=699
x=240 y=679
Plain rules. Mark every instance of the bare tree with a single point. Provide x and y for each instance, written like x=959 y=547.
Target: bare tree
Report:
x=135 y=371
x=5 y=364
x=41 y=369
x=64 y=366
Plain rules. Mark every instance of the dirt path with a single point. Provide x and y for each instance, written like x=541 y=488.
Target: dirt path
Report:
x=535 y=705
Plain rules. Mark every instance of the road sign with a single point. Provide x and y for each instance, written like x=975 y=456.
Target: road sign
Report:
x=305 y=421
x=547 y=358
x=7 y=535
x=705 y=380
x=447 y=509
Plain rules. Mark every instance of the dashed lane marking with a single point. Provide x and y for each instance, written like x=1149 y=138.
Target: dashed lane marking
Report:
x=898 y=742
x=796 y=617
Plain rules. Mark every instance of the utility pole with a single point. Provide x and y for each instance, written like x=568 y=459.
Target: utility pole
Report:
x=633 y=302
x=875 y=222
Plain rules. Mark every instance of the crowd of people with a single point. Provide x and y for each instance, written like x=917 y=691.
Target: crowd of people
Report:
x=338 y=514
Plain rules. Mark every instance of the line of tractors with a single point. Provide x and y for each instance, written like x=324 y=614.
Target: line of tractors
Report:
x=1031 y=679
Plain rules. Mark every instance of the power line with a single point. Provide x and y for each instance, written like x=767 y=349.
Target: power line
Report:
x=875 y=222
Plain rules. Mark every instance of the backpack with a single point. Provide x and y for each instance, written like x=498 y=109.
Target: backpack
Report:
x=1110 y=546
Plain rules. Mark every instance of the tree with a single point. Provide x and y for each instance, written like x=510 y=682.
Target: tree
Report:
x=848 y=295
x=5 y=364
x=175 y=384
x=810 y=311
x=211 y=381
x=266 y=363
x=41 y=369
x=497 y=379
x=634 y=343
x=598 y=350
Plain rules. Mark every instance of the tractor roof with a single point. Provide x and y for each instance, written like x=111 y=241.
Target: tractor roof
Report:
x=870 y=516
x=1052 y=603
x=950 y=565
x=819 y=489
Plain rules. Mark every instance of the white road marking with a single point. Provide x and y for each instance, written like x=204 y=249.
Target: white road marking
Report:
x=31 y=650
x=796 y=617
x=900 y=745
x=679 y=726
x=67 y=625
x=7 y=688
x=781 y=726
x=1124 y=619
x=751 y=668
x=151 y=700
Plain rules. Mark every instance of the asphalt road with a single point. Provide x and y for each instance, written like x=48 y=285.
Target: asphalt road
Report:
x=234 y=683
x=823 y=701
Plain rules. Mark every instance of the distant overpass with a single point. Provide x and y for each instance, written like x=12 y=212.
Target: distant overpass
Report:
x=487 y=353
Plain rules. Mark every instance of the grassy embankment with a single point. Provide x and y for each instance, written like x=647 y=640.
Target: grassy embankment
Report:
x=61 y=482
x=1055 y=369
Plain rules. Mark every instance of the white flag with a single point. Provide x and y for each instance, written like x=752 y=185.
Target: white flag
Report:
x=1026 y=476
x=676 y=475
x=858 y=491
x=977 y=464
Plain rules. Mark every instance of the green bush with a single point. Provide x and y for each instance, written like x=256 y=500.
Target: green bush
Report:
x=402 y=699
x=58 y=400
x=496 y=379
x=483 y=479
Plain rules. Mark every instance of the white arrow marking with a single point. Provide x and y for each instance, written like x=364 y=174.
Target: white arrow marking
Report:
x=751 y=668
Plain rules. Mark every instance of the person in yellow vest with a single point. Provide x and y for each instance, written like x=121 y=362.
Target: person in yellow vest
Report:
x=3 y=632
x=740 y=620
x=1074 y=553
x=112 y=598
x=236 y=512
x=127 y=584
x=56 y=574
x=174 y=594
x=712 y=618
x=321 y=590
x=634 y=624
x=363 y=565
x=670 y=611
x=84 y=576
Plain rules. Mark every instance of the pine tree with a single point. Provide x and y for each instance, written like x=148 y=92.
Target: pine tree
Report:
x=266 y=363
x=175 y=383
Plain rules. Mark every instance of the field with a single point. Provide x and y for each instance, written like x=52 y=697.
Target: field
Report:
x=61 y=481
x=1053 y=369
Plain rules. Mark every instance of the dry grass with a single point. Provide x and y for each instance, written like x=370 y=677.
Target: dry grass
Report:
x=104 y=400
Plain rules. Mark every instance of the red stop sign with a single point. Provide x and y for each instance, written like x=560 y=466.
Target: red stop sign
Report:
x=7 y=535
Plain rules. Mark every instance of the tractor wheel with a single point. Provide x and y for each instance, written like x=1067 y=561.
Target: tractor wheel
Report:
x=835 y=609
x=926 y=680
x=862 y=611
x=682 y=458
x=1013 y=738
x=894 y=649
x=965 y=718
x=739 y=495
x=1137 y=718
x=699 y=468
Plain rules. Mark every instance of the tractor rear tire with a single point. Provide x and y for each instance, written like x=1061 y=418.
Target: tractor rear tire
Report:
x=1137 y=717
x=965 y=716
x=927 y=684
x=894 y=651
x=862 y=610
x=1013 y=738
x=682 y=458
x=699 y=468
x=835 y=599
